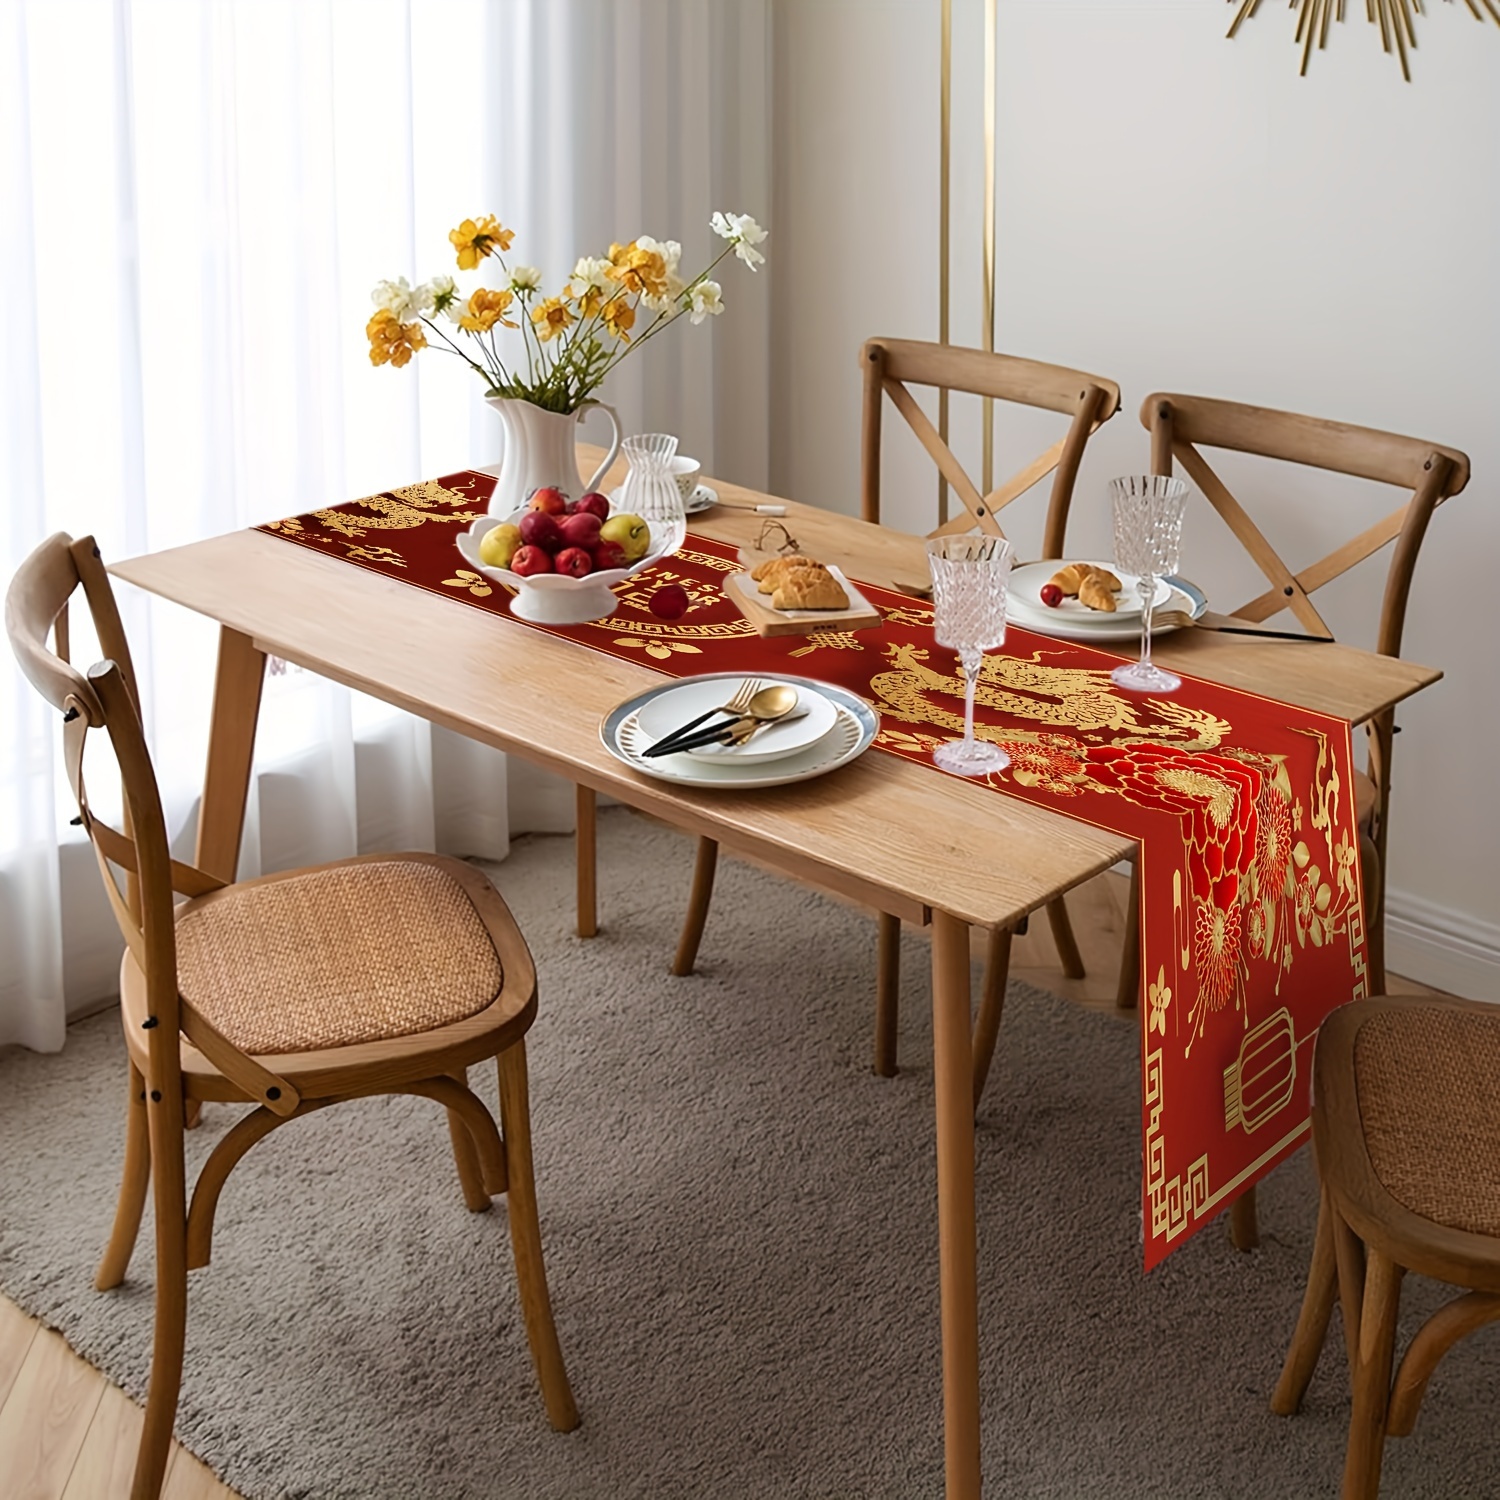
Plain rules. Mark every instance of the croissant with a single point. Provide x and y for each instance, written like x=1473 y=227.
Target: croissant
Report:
x=1110 y=581
x=1095 y=592
x=767 y=573
x=809 y=588
x=1069 y=577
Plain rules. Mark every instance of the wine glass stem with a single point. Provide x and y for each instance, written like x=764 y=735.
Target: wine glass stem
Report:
x=1148 y=600
x=971 y=678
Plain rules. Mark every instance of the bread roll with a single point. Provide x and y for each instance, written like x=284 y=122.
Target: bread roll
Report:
x=1096 y=593
x=769 y=572
x=809 y=588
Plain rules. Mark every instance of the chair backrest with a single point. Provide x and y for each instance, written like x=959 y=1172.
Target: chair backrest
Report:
x=891 y=365
x=1179 y=425
x=105 y=697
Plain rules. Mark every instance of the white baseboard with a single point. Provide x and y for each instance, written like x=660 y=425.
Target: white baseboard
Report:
x=1449 y=950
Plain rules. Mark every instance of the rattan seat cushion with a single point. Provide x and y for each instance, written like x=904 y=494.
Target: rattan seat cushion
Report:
x=1428 y=1082
x=337 y=956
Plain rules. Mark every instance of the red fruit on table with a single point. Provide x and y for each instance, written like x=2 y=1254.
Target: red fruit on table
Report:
x=574 y=562
x=530 y=560
x=581 y=529
x=539 y=528
x=1052 y=595
x=669 y=602
x=549 y=500
x=608 y=555
x=594 y=504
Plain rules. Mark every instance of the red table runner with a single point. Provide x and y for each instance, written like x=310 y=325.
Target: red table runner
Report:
x=1252 y=926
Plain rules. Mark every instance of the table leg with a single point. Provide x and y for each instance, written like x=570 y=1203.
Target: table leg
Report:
x=953 y=1067
x=231 y=747
x=586 y=852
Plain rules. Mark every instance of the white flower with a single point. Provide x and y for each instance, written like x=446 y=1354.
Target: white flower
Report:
x=669 y=250
x=438 y=295
x=395 y=297
x=705 y=300
x=525 y=279
x=743 y=233
x=588 y=273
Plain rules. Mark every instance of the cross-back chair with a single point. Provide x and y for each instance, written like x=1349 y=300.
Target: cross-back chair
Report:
x=1182 y=425
x=890 y=367
x=1406 y=1130
x=387 y=974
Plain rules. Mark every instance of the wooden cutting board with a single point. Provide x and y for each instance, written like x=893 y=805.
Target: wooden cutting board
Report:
x=756 y=607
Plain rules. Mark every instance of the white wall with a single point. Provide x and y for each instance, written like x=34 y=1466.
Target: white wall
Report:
x=1181 y=212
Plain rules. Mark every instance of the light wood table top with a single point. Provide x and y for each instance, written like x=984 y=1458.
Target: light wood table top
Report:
x=884 y=830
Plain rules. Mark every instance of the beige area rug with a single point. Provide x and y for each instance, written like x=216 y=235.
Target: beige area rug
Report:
x=741 y=1236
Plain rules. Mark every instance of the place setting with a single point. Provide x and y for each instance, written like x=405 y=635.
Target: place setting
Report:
x=738 y=732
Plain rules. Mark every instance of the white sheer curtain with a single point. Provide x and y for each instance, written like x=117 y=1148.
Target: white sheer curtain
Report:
x=198 y=196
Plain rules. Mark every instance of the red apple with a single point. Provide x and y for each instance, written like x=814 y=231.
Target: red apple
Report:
x=575 y=562
x=608 y=555
x=539 y=528
x=669 y=602
x=530 y=560
x=594 y=504
x=550 y=500
x=581 y=529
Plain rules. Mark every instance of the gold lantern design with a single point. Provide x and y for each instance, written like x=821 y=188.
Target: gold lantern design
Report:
x=1258 y=1083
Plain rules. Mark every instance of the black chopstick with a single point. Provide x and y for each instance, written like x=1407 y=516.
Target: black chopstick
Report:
x=1270 y=635
x=659 y=748
x=718 y=735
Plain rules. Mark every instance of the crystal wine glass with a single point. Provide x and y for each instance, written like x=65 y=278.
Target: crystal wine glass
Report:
x=650 y=491
x=1148 y=535
x=970 y=577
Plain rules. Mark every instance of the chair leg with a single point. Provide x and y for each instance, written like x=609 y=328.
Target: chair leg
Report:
x=991 y=1006
x=1244 y=1231
x=1349 y=1257
x=1372 y=1378
x=887 y=992
x=704 y=868
x=135 y=1177
x=170 y=1203
x=465 y=1157
x=1128 y=991
x=586 y=853
x=1062 y=934
x=526 y=1240
x=1312 y=1321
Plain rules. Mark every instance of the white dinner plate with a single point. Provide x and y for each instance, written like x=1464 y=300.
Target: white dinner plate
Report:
x=1026 y=590
x=1181 y=595
x=684 y=701
x=855 y=726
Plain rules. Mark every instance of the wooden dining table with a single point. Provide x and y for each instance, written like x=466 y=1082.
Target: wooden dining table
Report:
x=930 y=849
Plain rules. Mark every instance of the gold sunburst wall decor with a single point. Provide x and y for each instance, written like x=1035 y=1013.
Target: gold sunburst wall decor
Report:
x=1396 y=19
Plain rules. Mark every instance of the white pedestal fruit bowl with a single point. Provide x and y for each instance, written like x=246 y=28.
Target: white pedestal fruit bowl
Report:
x=554 y=598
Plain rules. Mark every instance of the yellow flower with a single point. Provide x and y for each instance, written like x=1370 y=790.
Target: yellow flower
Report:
x=638 y=270
x=551 y=318
x=619 y=318
x=589 y=302
x=486 y=308
x=391 y=340
x=476 y=239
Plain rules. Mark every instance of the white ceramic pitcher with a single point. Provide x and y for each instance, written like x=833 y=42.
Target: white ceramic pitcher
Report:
x=539 y=451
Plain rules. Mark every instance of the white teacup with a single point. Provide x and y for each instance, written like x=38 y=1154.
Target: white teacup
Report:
x=686 y=472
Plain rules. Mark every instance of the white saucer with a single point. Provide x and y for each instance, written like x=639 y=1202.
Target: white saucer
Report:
x=702 y=498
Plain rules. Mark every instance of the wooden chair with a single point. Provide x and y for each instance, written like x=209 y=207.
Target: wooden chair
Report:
x=388 y=974
x=1406 y=1131
x=890 y=367
x=1179 y=426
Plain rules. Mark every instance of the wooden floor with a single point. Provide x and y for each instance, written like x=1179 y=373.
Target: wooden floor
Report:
x=66 y=1433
